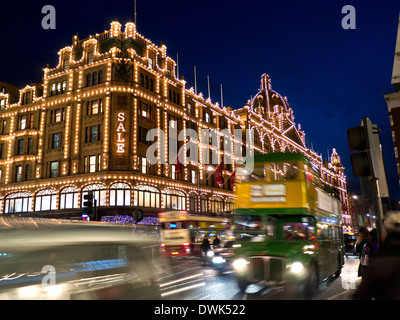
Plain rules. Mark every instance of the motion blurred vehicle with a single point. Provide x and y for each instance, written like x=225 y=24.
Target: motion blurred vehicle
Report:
x=288 y=225
x=182 y=233
x=221 y=257
x=350 y=240
x=61 y=259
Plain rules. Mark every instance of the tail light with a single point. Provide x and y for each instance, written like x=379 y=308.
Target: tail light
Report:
x=162 y=246
x=186 y=245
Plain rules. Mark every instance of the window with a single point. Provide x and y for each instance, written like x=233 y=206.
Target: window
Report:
x=53 y=169
x=143 y=167
x=46 y=200
x=173 y=171
x=120 y=194
x=94 y=78
x=69 y=198
x=55 y=141
x=145 y=109
x=64 y=86
x=90 y=57
x=93 y=133
x=27 y=171
x=22 y=122
x=58 y=115
x=88 y=80
x=18 y=173
x=146 y=196
x=217 y=205
x=58 y=87
x=20 y=147
x=203 y=203
x=53 y=90
x=2 y=104
x=207 y=117
x=193 y=202
x=141 y=80
x=18 y=202
x=2 y=151
x=150 y=63
x=151 y=86
x=101 y=76
x=143 y=135
x=99 y=193
x=193 y=177
x=66 y=64
x=174 y=199
x=4 y=127
x=92 y=164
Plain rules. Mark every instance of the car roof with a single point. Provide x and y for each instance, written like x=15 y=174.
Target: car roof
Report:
x=30 y=233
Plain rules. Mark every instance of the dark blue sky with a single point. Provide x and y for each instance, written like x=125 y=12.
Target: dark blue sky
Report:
x=331 y=76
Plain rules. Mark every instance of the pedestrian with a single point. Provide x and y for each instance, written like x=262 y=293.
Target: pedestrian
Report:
x=363 y=248
x=382 y=279
x=374 y=241
x=216 y=242
x=205 y=246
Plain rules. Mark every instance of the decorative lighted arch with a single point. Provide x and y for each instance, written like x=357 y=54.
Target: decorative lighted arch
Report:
x=46 y=199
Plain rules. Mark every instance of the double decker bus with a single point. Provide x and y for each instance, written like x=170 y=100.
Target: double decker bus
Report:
x=182 y=234
x=288 y=225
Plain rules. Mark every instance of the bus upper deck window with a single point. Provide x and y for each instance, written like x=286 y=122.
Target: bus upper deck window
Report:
x=292 y=172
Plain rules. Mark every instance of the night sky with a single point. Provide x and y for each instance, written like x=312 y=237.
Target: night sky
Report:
x=331 y=76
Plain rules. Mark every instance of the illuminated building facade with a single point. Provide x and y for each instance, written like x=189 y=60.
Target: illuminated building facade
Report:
x=392 y=97
x=84 y=129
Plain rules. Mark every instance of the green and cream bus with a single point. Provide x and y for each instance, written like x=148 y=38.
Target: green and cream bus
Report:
x=288 y=228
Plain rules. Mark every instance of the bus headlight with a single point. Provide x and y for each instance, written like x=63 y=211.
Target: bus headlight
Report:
x=296 y=267
x=240 y=264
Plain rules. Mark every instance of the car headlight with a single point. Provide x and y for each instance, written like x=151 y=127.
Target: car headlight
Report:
x=296 y=267
x=240 y=264
x=210 y=254
x=218 y=259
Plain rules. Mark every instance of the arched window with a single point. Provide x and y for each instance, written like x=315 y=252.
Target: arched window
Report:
x=229 y=205
x=120 y=194
x=69 y=198
x=216 y=205
x=146 y=196
x=203 y=203
x=193 y=202
x=174 y=199
x=18 y=202
x=99 y=193
x=45 y=200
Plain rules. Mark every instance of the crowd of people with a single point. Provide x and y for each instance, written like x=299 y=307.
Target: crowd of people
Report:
x=380 y=266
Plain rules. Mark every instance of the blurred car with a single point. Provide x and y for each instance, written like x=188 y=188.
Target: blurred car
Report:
x=350 y=240
x=61 y=259
x=221 y=257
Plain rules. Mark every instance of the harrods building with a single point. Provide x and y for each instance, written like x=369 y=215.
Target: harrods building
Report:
x=84 y=129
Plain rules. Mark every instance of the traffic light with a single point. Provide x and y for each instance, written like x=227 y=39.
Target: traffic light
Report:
x=88 y=204
x=363 y=140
